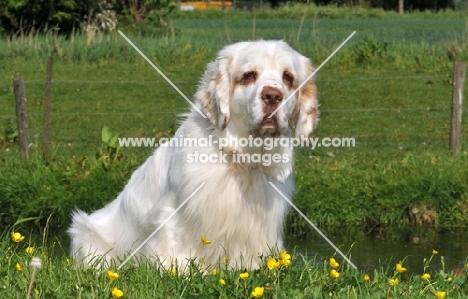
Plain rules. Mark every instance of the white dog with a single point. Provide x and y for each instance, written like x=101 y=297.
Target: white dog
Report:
x=236 y=209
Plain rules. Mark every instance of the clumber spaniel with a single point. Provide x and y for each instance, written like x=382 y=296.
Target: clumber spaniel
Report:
x=236 y=209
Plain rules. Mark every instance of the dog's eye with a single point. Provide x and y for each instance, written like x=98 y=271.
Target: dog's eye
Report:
x=288 y=78
x=248 y=78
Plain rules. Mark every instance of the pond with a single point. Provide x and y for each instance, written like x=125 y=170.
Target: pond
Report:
x=369 y=250
x=386 y=247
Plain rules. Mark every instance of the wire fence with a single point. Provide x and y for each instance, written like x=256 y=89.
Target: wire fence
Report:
x=196 y=82
x=420 y=126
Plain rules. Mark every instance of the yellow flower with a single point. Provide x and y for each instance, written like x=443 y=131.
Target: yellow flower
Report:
x=273 y=263
x=449 y=279
x=222 y=281
x=366 y=277
x=173 y=271
x=112 y=275
x=285 y=258
x=440 y=294
x=244 y=275
x=425 y=276
x=392 y=282
x=116 y=293
x=17 y=237
x=36 y=291
x=258 y=292
x=334 y=274
x=334 y=264
x=18 y=267
x=214 y=271
x=29 y=250
x=435 y=252
x=205 y=241
x=285 y=263
x=284 y=255
x=400 y=268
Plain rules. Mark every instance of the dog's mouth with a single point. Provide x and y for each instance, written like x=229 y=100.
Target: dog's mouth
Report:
x=269 y=126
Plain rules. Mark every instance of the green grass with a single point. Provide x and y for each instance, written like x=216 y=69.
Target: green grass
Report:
x=390 y=88
x=60 y=278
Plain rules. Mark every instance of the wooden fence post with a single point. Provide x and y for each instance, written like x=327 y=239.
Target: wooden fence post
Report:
x=46 y=120
x=21 y=115
x=457 y=105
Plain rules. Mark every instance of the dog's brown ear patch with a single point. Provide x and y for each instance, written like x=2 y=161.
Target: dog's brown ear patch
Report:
x=213 y=93
x=306 y=114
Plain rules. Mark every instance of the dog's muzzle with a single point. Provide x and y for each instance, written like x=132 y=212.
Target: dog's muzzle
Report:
x=271 y=98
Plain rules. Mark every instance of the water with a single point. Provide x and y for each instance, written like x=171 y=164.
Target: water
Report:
x=368 y=251
x=386 y=247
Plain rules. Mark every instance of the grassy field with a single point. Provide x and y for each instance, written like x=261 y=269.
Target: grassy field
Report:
x=389 y=88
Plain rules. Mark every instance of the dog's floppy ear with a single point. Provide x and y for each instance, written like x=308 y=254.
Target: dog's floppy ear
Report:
x=306 y=114
x=214 y=92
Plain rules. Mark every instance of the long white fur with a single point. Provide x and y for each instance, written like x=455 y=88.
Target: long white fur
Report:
x=237 y=209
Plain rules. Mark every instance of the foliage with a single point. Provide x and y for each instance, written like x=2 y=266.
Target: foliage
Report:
x=37 y=188
x=10 y=131
x=26 y=16
x=110 y=150
x=155 y=24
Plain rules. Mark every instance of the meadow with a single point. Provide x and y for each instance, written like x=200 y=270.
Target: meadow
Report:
x=389 y=88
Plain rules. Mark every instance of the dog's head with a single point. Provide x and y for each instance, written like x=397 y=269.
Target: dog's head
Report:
x=247 y=83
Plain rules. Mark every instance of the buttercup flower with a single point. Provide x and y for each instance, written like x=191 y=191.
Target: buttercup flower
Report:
x=273 y=263
x=244 y=275
x=18 y=267
x=222 y=281
x=205 y=241
x=258 y=292
x=400 y=268
x=333 y=263
x=173 y=271
x=425 y=276
x=435 y=252
x=285 y=258
x=17 y=237
x=392 y=282
x=29 y=250
x=214 y=271
x=440 y=294
x=116 y=293
x=366 y=277
x=112 y=275
x=334 y=274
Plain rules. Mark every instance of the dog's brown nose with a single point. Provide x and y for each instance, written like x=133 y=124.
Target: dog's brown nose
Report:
x=271 y=96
